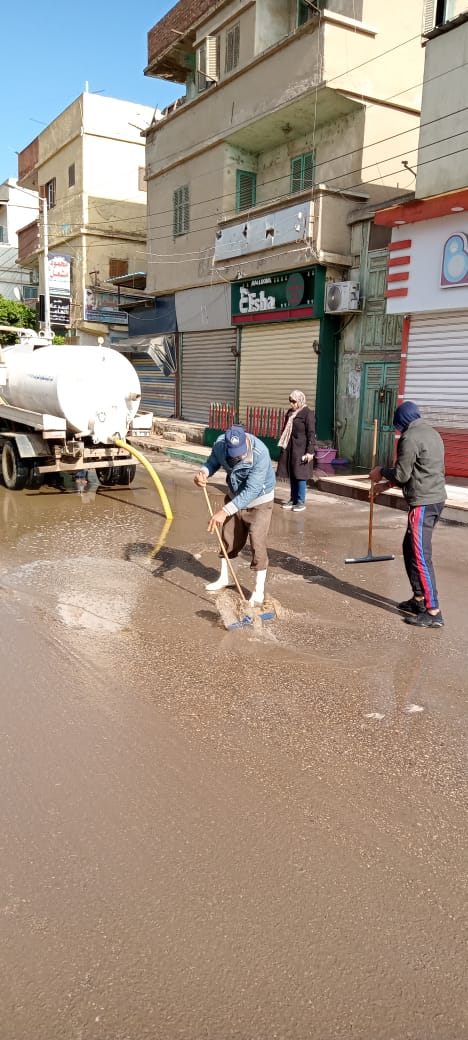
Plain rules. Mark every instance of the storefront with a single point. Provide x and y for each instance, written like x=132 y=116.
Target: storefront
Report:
x=208 y=346
x=286 y=342
x=427 y=282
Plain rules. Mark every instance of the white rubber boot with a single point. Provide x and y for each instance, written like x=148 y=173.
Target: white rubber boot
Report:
x=224 y=581
x=258 y=595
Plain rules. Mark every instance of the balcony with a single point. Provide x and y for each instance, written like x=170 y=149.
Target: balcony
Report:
x=172 y=38
x=29 y=243
x=315 y=218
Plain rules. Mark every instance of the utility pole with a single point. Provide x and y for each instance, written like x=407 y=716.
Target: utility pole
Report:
x=45 y=265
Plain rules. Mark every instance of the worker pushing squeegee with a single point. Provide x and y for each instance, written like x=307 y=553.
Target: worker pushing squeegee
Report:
x=248 y=505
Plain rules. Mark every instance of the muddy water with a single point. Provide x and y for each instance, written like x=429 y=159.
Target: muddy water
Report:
x=248 y=834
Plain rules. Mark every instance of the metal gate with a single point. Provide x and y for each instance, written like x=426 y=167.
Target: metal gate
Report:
x=437 y=379
x=276 y=359
x=208 y=372
x=158 y=387
x=379 y=398
x=437 y=367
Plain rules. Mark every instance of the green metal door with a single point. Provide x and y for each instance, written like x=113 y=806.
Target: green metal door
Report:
x=379 y=397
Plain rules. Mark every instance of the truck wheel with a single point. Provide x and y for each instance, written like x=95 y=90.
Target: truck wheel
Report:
x=126 y=475
x=108 y=477
x=15 y=471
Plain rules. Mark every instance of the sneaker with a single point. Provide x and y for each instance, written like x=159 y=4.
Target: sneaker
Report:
x=412 y=606
x=426 y=620
x=299 y=507
x=288 y=505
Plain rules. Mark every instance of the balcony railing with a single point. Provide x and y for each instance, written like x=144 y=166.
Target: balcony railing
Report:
x=318 y=214
x=266 y=226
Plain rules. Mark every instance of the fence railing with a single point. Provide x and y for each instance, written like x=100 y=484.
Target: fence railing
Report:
x=264 y=422
x=259 y=420
x=222 y=416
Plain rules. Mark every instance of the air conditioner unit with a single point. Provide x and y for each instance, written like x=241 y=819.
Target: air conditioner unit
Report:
x=341 y=297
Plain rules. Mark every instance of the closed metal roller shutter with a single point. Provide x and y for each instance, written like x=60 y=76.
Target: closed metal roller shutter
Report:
x=276 y=359
x=437 y=367
x=157 y=390
x=437 y=380
x=208 y=372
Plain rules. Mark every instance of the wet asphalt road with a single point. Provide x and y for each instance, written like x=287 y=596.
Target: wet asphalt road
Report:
x=212 y=835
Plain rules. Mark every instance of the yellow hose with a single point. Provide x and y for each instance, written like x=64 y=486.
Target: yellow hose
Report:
x=154 y=476
x=161 y=540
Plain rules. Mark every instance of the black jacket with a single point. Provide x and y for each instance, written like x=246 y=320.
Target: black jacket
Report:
x=302 y=442
x=420 y=469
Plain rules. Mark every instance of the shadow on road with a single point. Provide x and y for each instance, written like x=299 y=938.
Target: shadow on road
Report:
x=311 y=573
x=169 y=559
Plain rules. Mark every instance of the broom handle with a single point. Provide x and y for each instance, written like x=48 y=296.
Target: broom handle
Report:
x=371 y=504
x=223 y=547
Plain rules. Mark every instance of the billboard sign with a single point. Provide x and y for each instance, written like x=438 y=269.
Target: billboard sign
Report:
x=59 y=275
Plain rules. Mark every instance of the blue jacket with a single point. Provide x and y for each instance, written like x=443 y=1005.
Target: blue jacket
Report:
x=251 y=481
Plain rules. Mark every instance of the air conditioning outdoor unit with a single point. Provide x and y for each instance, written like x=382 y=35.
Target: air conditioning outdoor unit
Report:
x=341 y=297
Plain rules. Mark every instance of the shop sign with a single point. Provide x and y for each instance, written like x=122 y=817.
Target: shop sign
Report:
x=59 y=275
x=60 y=310
x=455 y=261
x=284 y=296
x=101 y=306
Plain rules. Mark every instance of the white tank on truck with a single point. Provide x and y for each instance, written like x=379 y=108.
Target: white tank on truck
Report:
x=95 y=389
x=64 y=409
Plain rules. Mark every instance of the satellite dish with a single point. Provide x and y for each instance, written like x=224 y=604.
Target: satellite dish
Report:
x=17 y=293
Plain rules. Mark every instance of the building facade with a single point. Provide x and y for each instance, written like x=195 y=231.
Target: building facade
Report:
x=17 y=207
x=427 y=272
x=294 y=115
x=90 y=166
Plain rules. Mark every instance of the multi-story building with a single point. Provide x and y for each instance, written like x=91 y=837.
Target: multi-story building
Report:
x=89 y=164
x=295 y=114
x=17 y=207
x=427 y=275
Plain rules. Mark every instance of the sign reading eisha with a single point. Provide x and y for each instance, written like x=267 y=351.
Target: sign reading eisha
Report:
x=285 y=296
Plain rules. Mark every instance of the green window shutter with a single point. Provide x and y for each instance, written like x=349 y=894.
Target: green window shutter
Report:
x=296 y=174
x=181 y=211
x=308 y=170
x=246 y=189
x=302 y=172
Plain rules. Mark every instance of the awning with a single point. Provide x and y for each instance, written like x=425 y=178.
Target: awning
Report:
x=161 y=349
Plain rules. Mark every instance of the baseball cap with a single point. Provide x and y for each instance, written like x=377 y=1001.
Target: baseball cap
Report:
x=235 y=441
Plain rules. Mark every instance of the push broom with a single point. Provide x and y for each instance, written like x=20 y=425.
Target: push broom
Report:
x=247 y=619
x=370 y=558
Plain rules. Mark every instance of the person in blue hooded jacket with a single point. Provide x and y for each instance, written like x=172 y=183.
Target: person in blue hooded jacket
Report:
x=420 y=473
x=248 y=505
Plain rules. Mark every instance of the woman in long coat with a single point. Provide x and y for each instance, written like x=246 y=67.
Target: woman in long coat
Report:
x=297 y=442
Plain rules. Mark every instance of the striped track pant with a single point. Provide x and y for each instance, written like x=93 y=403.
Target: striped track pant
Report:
x=417 y=552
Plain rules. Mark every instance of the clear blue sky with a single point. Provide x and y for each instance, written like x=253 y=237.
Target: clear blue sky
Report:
x=47 y=52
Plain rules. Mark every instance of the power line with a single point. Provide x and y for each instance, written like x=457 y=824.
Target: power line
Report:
x=327 y=162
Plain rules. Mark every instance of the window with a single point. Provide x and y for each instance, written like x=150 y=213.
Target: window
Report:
x=232 y=48
x=142 y=178
x=181 y=211
x=50 y=193
x=438 y=12
x=208 y=55
x=246 y=189
x=2 y=234
x=306 y=10
x=302 y=172
x=117 y=268
x=71 y=175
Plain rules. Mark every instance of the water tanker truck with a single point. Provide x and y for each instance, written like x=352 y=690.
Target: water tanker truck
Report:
x=63 y=407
